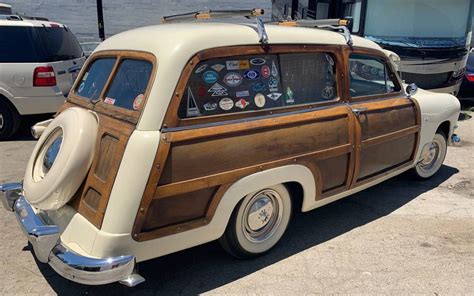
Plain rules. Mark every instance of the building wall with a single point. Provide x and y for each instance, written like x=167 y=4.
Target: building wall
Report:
x=121 y=15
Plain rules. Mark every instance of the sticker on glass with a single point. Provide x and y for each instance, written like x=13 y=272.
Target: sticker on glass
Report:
x=237 y=65
x=251 y=74
x=202 y=91
x=192 y=109
x=259 y=86
x=265 y=71
x=289 y=96
x=109 y=101
x=242 y=103
x=210 y=77
x=137 y=102
x=81 y=87
x=273 y=84
x=330 y=59
x=327 y=92
x=201 y=68
x=233 y=79
x=259 y=100
x=218 y=67
x=210 y=106
x=274 y=96
x=226 y=104
x=243 y=93
x=218 y=90
x=84 y=78
x=274 y=69
x=257 y=61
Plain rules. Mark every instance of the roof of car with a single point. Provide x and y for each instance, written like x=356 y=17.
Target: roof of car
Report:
x=166 y=39
x=28 y=23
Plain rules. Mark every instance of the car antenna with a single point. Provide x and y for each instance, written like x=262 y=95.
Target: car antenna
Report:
x=333 y=24
x=208 y=14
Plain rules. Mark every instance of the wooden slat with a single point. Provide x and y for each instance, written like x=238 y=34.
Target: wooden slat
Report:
x=389 y=137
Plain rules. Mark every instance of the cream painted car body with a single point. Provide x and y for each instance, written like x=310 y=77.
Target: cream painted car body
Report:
x=173 y=52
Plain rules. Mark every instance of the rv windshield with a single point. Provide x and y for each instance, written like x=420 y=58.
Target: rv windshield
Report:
x=422 y=23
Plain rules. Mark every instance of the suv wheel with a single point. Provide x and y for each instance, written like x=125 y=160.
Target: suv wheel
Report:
x=258 y=222
x=9 y=120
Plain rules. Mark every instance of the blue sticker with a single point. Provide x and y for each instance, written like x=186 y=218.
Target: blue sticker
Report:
x=210 y=76
x=252 y=74
x=273 y=84
x=259 y=87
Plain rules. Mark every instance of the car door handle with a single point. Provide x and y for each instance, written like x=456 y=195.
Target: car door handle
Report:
x=358 y=111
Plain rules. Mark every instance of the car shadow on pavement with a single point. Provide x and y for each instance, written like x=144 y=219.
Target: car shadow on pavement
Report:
x=207 y=267
x=24 y=132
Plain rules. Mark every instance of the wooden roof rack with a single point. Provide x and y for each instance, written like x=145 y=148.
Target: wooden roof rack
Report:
x=209 y=14
x=333 y=24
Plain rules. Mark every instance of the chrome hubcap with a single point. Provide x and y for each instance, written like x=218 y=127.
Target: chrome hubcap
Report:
x=262 y=215
x=430 y=156
x=1 y=121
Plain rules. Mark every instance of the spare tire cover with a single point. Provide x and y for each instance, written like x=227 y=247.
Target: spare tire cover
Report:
x=61 y=159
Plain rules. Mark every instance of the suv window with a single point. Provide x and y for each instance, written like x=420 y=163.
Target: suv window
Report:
x=370 y=76
x=258 y=82
x=59 y=44
x=37 y=44
x=129 y=84
x=17 y=45
x=93 y=81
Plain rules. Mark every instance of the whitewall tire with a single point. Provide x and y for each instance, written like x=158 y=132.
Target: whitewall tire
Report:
x=432 y=157
x=61 y=159
x=258 y=222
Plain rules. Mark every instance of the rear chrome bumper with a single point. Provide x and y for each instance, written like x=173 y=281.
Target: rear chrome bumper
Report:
x=46 y=242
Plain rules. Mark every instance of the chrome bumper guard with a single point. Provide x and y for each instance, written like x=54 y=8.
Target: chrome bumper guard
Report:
x=45 y=239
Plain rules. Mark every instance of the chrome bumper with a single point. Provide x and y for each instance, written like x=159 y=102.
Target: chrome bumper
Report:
x=45 y=239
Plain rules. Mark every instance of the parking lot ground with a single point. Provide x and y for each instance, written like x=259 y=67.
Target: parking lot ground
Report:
x=402 y=236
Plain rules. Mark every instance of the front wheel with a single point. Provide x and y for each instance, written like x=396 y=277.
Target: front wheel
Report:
x=432 y=157
x=258 y=222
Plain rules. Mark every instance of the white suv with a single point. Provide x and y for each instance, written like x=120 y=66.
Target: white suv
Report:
x=39 y=61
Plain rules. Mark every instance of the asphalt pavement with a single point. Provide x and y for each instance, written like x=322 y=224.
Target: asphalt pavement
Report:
x=400 y=237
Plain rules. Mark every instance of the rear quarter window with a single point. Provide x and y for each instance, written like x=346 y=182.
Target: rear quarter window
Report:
x=129 y=84
x=258 y=82
x=17 y=45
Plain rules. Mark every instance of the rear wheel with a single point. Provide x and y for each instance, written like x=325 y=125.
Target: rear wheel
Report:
x=258 y=222
x=432 y=156
x=9 y=120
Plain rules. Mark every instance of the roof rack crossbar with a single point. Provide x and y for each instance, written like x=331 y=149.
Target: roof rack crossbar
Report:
x=11 y=17
x=345 y=32
x=207 y=14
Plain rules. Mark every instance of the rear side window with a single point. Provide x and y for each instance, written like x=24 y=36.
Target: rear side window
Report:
x=129 y=84
x=93 y=81
x=17 y=45
x=258 y=82
x=59 y=43
x=370 y=76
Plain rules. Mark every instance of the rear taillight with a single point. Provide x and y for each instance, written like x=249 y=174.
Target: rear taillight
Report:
x=470 y=77
x=44 y=76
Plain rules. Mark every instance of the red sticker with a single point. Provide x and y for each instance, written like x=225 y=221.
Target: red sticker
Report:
x=137 y=103
x=265 y=71
x=202 y=91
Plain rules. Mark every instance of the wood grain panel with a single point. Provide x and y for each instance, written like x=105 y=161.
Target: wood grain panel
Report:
x=112 y=137
x=179 y=208
x=381 y=122
x=377 y=158
x=188 y=160
x=334 y=171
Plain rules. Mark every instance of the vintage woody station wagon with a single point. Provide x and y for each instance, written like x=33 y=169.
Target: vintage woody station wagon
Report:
x=179 y=134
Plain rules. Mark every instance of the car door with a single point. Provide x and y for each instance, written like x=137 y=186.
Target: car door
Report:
x=387 y=122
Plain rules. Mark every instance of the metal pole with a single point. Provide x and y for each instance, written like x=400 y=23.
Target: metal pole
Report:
x=100 y=20
x=294 y=9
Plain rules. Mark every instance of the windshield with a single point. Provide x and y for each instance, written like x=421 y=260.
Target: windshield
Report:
x=421 y=23
x=59 y=44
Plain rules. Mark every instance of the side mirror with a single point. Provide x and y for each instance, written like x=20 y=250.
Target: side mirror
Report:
x=411 y=89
